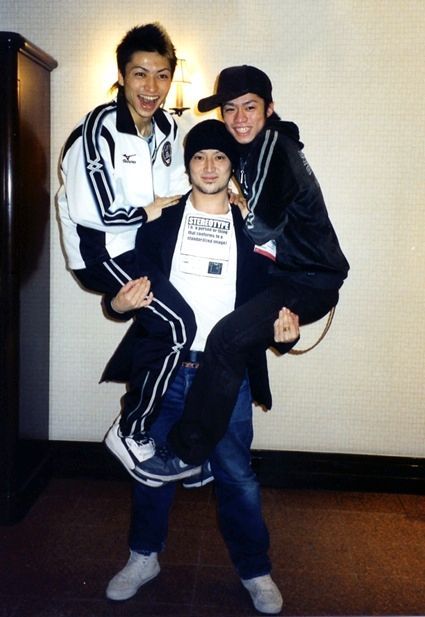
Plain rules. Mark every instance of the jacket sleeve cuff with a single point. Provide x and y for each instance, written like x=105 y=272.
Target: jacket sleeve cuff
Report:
x=283 y=348
x=109 y=311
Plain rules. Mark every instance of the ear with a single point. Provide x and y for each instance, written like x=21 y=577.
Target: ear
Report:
x=120 y=78
x=270 y=109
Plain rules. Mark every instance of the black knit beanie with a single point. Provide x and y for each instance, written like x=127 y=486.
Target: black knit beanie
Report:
x=210 y=135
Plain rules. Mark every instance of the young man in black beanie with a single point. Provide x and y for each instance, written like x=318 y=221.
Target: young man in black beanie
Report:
x=201 y=246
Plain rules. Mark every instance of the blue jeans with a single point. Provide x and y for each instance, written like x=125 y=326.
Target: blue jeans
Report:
x=238 y=493
x=230 y=345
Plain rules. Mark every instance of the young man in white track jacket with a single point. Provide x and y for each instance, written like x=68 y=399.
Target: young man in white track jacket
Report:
x=121 y=165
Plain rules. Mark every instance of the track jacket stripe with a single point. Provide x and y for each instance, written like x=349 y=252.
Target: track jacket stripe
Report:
x=263 y=165
x=117 y=272
x=99 y=180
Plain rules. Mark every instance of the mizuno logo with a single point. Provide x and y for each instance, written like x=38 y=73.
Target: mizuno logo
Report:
x=126 y=158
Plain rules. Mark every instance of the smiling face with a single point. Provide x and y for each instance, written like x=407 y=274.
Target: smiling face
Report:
x=210 y=171
x=245 y=116
x=146 y=83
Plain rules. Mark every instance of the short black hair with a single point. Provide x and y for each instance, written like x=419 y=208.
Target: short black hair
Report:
x=150 y=37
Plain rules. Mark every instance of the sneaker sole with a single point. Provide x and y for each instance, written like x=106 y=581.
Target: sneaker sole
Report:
x=177 y=476
x=203 y=482
x=124 y=597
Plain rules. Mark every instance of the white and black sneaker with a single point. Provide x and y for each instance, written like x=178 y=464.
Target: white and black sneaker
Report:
x=205 y=476
x=166 y=466
x=131 y=452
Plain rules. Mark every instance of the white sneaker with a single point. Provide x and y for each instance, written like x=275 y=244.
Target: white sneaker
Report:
x=139 y=570
x=264 y=593
x=129 y=451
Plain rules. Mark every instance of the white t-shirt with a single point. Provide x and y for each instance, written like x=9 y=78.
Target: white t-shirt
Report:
x=204 y=267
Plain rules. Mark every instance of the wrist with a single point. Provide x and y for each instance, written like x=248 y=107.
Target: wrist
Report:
x=115 y=308
x=153 y=212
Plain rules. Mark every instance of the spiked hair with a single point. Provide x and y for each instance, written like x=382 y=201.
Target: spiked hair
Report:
x=150 y=37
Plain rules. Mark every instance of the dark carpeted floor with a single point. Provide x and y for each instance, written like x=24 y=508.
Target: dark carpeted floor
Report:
x=334 y=553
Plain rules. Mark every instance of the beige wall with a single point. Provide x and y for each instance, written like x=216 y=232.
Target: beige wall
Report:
x=351 y=74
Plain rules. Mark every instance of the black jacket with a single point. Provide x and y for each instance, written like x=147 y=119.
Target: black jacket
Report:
x=156 y=244
x=287 y=205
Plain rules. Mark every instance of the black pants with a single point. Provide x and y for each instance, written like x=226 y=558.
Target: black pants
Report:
x=231 y=342
x=167 y=326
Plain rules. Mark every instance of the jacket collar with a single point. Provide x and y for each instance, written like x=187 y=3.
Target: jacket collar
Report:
x=125 y=123
x=290 y=129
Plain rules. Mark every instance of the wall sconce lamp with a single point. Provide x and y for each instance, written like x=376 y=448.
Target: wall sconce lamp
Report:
x=180 y=79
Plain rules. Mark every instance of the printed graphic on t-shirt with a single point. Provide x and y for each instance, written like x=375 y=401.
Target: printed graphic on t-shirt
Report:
x=203 y=268
x=205 y=248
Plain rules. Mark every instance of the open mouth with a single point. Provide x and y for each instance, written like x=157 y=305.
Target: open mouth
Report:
x=148 y=101
x=241 y=130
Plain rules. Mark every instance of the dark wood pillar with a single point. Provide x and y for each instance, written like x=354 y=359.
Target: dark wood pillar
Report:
x=24 y=270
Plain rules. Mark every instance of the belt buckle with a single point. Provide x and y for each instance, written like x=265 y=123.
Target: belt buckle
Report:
x=190 y=364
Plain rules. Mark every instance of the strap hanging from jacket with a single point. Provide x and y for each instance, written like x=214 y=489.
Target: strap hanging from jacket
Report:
x=299 y=352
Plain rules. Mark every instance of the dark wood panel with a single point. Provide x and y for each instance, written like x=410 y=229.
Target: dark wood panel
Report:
x=24 y=267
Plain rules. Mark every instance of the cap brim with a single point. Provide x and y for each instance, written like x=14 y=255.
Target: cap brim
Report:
x=216 y=100
x=210 y=102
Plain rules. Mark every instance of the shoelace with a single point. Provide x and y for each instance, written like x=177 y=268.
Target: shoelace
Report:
x=164 y=452
x=140 y=560
x=145 y=441
x=142 y=440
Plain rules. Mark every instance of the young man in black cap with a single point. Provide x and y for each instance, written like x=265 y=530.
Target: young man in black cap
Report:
x=287 y=219
x=201 y=246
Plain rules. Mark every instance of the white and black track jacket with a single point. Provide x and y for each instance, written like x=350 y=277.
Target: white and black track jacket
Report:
x=108 y=175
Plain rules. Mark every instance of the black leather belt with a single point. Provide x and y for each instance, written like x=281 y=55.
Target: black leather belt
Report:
x=193 y=359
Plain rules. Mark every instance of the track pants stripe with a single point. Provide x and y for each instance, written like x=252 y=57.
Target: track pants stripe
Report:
x=151 y=393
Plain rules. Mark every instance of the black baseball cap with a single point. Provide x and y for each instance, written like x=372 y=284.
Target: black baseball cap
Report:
x=236 y=81
x=210 y=135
